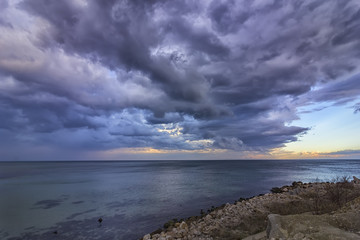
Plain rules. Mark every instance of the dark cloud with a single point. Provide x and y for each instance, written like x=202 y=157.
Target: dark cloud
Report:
x=338 y=92
x=346 y=152
x=224 y=19
x=172 y=74
x=166 y=119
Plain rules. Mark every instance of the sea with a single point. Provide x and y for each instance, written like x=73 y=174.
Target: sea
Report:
x=64 y=200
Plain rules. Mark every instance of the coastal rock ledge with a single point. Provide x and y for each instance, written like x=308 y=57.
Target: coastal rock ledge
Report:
x=327 y=210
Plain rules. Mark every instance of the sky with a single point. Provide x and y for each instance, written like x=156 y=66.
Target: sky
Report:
x=179 y=79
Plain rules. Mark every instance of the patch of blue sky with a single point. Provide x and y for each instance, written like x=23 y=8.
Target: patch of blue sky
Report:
x=332 y=128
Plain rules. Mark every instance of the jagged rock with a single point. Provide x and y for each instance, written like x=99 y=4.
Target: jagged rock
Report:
x=147 y=237
x=183 y=225
x=356 y=180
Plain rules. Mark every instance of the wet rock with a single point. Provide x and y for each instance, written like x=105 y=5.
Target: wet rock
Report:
x=169 y=224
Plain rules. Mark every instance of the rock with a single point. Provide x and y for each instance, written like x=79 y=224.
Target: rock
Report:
x=276 y=190
x=274 y=229
x=356 y=180
x=147 y=237
x=308 y=226
x=297 y=184
x=258 y=236
x=157 y=231
x=169 y=224
x=208 y=217
x=183 y=225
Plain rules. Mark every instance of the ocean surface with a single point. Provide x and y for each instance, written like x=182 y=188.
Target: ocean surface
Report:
x=136 y=197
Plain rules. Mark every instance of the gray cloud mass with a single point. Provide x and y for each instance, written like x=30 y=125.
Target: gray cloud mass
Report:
x=188 y=75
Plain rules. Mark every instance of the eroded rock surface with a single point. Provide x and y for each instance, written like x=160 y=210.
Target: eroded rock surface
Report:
x=342 y=224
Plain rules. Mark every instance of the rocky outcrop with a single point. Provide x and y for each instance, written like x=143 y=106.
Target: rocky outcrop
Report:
x=342 y=224
x=287 y=214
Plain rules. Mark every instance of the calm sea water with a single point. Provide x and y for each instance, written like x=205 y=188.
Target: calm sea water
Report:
x=135 y=197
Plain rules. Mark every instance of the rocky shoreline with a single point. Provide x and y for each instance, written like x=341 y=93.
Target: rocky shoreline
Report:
x=299 y=211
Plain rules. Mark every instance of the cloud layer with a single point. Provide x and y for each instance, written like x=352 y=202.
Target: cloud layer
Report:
x=176 y=75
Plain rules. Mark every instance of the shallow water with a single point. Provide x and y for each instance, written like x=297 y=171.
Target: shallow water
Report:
x=135 y=197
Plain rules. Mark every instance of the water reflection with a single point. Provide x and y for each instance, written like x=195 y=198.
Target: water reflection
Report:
x=134 y=198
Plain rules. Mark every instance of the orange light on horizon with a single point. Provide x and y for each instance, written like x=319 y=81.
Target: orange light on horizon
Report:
x=149 y=150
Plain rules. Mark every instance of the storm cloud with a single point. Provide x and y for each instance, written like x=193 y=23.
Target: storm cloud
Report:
x=84 y=76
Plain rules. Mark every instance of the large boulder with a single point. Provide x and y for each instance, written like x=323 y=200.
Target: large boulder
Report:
x=343 y=224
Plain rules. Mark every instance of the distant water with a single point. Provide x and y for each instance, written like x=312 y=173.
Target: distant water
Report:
x=135 y=197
